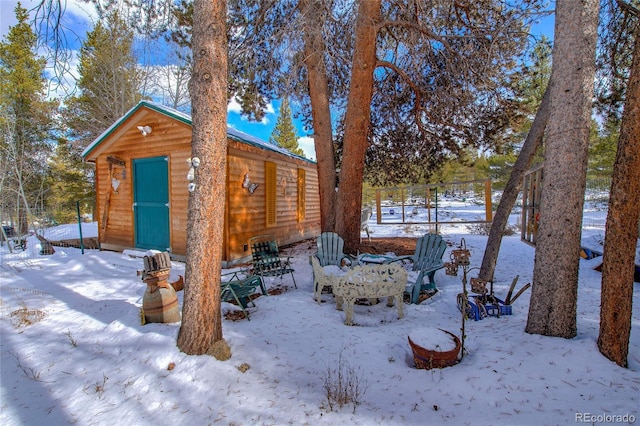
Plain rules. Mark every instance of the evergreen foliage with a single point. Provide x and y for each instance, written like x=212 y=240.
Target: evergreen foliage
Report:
x=68 y=183
x=26 y=123
x=108 y=86
x=616 y=40
x=109 y=83
x=531 y=85
x=429 y=103
x=284 y=132
x=253 y=78
x=602 y=149
x=535 y=76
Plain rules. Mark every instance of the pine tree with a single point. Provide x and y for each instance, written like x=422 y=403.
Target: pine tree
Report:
x=201 y=328
x=25 y=121
x=602 y=149
x=284 y=133
x=69 y=183
x=109 y=82
x=553 y=306
x=621 y=238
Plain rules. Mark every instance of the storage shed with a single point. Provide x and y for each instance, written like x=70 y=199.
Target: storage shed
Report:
x=142 y=186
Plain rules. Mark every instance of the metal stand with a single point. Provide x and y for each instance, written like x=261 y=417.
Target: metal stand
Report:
x=461 y=258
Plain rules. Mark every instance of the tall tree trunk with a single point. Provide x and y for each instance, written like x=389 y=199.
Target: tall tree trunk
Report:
x=201 y=329
x=512 y=189
x=552 y=310
x=314 y=48
x=357 y=125
x=621 y=236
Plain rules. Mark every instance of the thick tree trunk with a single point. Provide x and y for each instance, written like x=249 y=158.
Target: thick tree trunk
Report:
x=314 y=48
x=357 y=124
x=201 y=327
x=621 y=232
x=512 y=189
x=552 y=310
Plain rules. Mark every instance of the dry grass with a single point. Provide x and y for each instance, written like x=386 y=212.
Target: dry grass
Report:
x=343 y=384
x=24 y=317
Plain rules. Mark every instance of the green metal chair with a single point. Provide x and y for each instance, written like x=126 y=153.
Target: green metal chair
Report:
x=266 y=258
x=239 y=289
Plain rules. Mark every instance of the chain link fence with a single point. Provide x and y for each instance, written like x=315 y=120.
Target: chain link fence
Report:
x=470 y=203
x=596 y=202
x=443 y=203
x=41 y=235
x=447 y=203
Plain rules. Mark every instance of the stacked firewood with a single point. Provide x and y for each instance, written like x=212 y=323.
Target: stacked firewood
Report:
x=156 y=272
x=157 y=262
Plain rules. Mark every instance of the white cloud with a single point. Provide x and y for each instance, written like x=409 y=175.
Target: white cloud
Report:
x=234 y=106
x=76 y=14
x=82 y=10
x=270 y=109
x=307 y=144
x=68 y=79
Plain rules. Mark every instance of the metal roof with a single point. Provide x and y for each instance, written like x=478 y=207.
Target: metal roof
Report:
x=232 y=133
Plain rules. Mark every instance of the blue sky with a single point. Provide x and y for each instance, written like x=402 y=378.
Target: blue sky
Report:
x=79 y=18
x=264 y=128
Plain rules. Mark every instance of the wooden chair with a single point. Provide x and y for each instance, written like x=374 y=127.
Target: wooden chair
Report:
x=239 y=289
x=427 y=259
x=365 y=215
x=266 y=258
x=330 y=250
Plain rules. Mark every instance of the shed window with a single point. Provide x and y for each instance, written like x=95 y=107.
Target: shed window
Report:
x=302 y=197
x=270 y=192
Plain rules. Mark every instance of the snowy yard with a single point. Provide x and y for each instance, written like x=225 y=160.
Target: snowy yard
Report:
x=74 y=351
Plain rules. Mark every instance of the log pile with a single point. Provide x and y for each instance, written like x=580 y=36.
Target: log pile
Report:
x=156 y=262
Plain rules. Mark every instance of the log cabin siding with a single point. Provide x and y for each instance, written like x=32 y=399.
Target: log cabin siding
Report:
x=175 y=144
x=247 y=213
x=244 y=212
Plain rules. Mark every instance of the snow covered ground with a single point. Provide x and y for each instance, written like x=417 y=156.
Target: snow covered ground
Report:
x=73 y=351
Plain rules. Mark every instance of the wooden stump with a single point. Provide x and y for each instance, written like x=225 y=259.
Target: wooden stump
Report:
x=160 y=302
x=160 y=305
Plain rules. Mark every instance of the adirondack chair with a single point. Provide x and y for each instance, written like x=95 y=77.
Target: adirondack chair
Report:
x=365 y=215
x=266 y=258
x=237 y=288
x=330 y=250
x=426 y=260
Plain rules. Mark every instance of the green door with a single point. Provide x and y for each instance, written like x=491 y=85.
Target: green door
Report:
x=151 y=203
